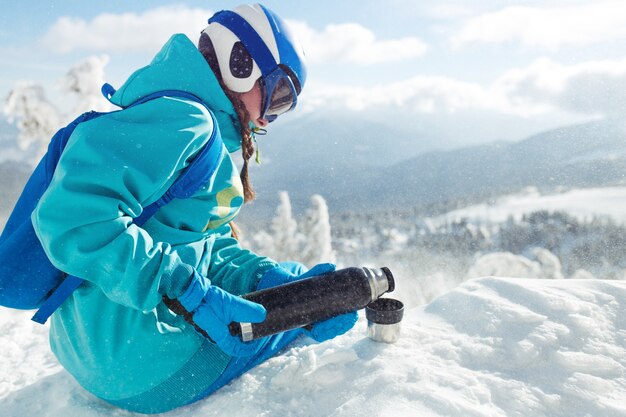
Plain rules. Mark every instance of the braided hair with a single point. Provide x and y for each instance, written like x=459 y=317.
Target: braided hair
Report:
x=205 y=46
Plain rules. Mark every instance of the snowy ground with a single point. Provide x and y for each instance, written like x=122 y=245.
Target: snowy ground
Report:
x=584 y=204
x=490 y=347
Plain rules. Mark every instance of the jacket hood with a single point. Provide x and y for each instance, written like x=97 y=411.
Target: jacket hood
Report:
x=180 y=66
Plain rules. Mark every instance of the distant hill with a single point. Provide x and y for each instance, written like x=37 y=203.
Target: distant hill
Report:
x=359 y=164
x=8 y=132
x=13 y=176
x=587 y=155
x=592 y=154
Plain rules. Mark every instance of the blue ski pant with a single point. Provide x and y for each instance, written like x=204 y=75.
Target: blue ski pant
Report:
x=274 y=344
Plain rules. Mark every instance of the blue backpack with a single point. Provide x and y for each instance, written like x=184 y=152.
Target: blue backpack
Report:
x=28 y=280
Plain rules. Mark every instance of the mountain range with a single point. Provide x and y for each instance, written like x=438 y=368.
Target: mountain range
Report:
x=349 y=175
x=361 y=165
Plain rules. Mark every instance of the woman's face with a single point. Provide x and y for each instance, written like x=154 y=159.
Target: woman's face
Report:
x=252 y=100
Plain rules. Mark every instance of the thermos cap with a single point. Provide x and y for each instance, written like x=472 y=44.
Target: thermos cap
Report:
x=390 y=280
x=384 y=311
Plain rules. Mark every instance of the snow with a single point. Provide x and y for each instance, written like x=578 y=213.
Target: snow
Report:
x=506 y=264
x=490 y=347
x=583 y=204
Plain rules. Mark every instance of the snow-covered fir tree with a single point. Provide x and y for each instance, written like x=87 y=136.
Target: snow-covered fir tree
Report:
x=285 y=240
x=317 y=234
x=309 y=243
x=38 y=117
x=84 y=81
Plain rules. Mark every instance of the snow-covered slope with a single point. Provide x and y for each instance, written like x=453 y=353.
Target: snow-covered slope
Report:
x=583 y=203
x=491 y=347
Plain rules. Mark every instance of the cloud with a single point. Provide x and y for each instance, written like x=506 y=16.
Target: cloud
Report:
x=549 y=27
x=147 y=31
x=422 y=94
x=544 y=87
x=125 y=32
x=354 y=43
x=593 y=87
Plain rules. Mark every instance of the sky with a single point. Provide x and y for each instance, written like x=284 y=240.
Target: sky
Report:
x=494 y=69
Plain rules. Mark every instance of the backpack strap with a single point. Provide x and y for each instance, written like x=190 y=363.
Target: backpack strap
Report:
x=58 y=296
x=194 y=176
x=197 y=174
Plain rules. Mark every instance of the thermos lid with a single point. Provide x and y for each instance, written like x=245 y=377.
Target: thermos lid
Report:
x=390 y=280
x=384 y=311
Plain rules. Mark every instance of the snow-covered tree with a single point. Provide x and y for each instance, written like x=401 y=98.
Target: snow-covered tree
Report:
x=309 y=243
x=285 y=237
x=316 y=230
x=85 y=80
x=36 y=118
x=263 y=243
x=393 y=240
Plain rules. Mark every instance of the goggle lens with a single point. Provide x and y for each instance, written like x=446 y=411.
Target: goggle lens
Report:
x=282 y=97
x=279 y=87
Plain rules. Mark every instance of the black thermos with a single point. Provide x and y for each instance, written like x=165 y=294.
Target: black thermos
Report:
x=300 y=303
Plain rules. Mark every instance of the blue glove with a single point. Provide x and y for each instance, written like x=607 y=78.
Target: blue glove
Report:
x=290 y=272
x=213 y=309
x=323 y=330
x=331 y=328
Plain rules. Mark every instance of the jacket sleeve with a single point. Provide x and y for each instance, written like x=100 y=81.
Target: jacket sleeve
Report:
x=112 y=167
x=234 y=269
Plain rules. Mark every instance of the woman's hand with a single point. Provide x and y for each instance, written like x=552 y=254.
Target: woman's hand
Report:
x=213 y=309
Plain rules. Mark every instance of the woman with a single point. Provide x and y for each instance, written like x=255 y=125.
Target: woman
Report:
x=116 y=334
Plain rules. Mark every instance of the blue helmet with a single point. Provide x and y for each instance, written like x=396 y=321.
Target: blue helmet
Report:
x=252 y=43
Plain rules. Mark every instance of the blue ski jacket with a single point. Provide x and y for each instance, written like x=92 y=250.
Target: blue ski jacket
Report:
x=114 y=334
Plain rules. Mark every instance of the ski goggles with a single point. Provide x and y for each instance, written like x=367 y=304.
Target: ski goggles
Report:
x=279 y=94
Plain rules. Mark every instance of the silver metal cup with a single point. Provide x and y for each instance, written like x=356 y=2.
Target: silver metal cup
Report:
x=383 y=319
